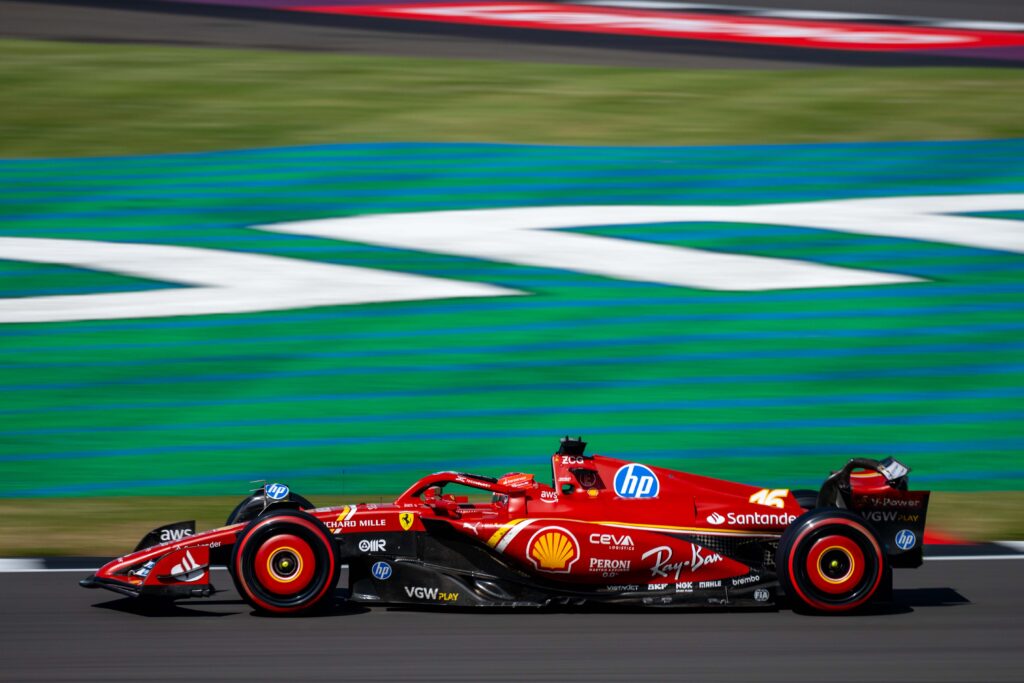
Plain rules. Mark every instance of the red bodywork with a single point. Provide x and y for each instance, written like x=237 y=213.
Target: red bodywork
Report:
x=604 y=524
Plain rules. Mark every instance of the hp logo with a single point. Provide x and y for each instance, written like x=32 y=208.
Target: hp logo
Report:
x=905 y=539
x=276 y=491
x=636 y=481
x=381 y=571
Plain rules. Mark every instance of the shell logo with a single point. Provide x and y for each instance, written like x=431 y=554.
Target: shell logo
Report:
x=553 y=549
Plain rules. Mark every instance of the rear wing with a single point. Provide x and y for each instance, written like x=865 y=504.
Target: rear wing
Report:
x=879 y=492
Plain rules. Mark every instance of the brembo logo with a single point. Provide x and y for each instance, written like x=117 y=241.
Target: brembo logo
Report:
x=752 y=518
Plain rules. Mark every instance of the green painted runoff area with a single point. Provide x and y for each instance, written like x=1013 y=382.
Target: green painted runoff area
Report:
x=773 y=388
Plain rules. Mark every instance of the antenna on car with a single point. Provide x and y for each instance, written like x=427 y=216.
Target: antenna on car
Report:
x=571 y=446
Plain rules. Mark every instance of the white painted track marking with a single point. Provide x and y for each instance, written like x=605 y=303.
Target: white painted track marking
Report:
x=531 y=237
x=218 y=282
x=534 y=237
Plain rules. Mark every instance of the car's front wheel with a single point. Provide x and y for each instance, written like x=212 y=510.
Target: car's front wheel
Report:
x=830 y=561
x=285 y=562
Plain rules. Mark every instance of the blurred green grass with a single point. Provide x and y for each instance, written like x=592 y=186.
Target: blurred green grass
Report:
x=69 y=99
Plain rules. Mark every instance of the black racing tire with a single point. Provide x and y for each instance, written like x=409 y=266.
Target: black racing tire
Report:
x=286 y=563
x=806 y=498
x=830 y=561
x=252 y=507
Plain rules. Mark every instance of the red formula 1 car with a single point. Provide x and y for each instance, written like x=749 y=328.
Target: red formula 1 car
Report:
x=606 y=531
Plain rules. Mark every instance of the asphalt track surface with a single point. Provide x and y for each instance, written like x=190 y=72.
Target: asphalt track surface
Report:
x=950 y=621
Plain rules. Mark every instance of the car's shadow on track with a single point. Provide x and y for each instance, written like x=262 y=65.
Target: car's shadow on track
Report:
x=904 y=601
x=161 y=608
x=200 y=608
x=928 y=597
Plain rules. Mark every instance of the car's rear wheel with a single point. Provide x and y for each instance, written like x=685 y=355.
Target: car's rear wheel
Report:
x=285 y=562
x=830 y=561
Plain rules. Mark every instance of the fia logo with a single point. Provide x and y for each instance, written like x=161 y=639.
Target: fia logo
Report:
x=276 y=491
x=636 y=481
x=381 y=571
x=905 y=539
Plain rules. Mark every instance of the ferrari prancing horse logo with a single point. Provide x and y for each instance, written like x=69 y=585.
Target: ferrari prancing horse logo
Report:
x=406 y=519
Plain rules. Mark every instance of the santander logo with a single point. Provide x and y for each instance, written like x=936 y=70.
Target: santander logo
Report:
x=772 y=519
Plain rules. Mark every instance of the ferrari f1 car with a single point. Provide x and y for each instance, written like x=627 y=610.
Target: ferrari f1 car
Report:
x=604 y=531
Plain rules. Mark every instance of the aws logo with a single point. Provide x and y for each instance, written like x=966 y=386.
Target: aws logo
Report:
x=553 y=549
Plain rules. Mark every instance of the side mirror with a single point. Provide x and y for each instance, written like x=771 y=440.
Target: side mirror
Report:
x=567 y=489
